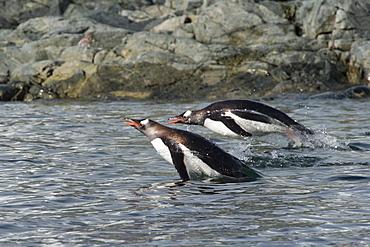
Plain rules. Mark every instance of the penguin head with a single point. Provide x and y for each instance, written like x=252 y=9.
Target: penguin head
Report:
x=145 y=126
x=357 y=92
x=188 y=117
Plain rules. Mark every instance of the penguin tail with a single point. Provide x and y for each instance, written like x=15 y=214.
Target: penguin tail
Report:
x=249 y=172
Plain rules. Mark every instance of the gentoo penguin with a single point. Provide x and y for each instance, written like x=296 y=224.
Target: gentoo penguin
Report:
x=193 y=156
x=243 y=118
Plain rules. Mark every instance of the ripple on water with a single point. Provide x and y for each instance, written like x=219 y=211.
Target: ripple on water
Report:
x=72 y=174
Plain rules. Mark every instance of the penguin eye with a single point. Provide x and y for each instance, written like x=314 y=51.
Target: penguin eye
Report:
x=141 y=126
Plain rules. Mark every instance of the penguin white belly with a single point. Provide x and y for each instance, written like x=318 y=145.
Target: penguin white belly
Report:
x=255 y=127
x=162 y=149
x=195 y=167
x=218 y=127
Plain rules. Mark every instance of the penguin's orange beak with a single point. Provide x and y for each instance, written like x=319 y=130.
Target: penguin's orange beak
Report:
x=177 y=119
x=132 y=122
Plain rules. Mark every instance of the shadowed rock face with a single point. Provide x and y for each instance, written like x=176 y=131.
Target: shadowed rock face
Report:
x=180 y=49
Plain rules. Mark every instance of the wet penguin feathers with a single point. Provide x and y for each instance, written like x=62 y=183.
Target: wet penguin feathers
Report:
x=243 y=118
x=192 y=155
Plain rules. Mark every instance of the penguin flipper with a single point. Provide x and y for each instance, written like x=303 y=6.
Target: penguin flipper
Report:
x=278 y=116
x=225 y=163
x=230 y=123
x=259 y=117
x=302 y=130
x=177 y=158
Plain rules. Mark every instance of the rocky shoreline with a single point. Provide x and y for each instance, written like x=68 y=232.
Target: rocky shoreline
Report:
x=171 y=49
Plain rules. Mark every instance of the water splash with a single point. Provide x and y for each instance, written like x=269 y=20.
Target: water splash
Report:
x=321 y=139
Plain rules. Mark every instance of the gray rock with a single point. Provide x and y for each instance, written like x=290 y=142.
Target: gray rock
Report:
x=8 y=60
x=6 y=92
x=25 y=73
x=170 y=25
x=359 y=70
x=40 y=50
x=107 y=37
x=181 y=63
x=317 y=18
x=12 y=90
x=309 y=70
x=35 y=73
x=179 y=49
x=230 y=23
x=75 y=10
x=46 y=27
x=17 y=11
x=39 y=92
x=338 y=21
x=144 y=42
x=65 y=77
x=4 y=67
x=14 y=37
x=27 y=80
x=37 y=27
x=244 y=85
x=53 y=35
x=77 y=53
x=156 y=11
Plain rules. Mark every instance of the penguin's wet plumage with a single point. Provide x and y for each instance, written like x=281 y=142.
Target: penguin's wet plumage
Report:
x=243 y=118
x=192 y=155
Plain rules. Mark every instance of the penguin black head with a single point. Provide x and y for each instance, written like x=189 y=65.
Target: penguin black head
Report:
x=145 y=126
x=188 y=117
x=357 y=92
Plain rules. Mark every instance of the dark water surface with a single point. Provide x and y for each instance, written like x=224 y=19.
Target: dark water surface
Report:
x=71 y=173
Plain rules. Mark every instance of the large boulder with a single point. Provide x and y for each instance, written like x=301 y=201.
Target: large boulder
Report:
x=80 y=80
x=14 y=12
x=231 y=23
x=145 y=42
x=359 y=66
x=339 y=21
x=17 y=11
